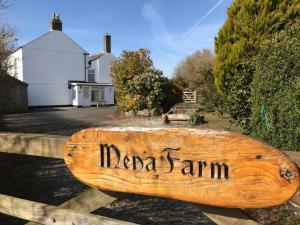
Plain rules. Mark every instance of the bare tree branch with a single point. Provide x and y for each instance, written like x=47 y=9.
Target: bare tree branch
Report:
x=8 y=42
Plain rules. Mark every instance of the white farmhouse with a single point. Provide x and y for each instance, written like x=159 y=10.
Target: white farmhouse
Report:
x=98 y=88
x=58 y=71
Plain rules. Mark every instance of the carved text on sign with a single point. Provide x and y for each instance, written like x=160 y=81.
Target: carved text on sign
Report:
x=210 y=167
x=111 y=157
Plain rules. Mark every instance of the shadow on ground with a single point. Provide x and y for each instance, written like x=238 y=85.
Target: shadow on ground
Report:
x=49 y=181
x=60 y=121
x=38 y=179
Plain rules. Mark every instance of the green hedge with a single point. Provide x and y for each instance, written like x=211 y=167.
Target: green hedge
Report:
x=249 y=23
x=275 y=107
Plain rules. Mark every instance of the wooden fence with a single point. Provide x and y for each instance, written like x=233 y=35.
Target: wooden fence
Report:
x=77 y=210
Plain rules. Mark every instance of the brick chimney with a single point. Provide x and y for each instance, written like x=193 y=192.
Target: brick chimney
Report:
x=55 y=23
x=106 y=43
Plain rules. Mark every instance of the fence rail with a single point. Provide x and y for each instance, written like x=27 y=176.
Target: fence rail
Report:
x=76 y=211
x=189 y=97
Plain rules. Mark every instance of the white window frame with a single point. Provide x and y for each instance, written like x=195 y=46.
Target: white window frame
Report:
x=95 y=97
x=86 y=92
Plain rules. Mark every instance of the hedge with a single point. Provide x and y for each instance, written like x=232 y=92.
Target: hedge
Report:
x=275 y=107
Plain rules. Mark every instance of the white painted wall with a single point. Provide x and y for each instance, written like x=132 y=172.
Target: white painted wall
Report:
x=48 y=64
x=86 y=100
x=109 y=95
x=77 y=101
x=16 y=65
x=105 y=63
x=102 y=68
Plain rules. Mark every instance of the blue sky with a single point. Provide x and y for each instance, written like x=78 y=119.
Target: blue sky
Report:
x=170 y=29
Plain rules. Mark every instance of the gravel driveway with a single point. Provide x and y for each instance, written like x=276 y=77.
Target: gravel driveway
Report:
x=48 y=180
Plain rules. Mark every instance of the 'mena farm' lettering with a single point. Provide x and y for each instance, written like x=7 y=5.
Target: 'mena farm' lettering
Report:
x=148 y=164
x=202 y=166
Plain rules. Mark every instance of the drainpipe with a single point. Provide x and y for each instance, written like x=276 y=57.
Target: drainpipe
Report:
x=85 y=68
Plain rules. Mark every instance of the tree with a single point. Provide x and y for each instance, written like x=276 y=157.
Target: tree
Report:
x=248 y=24
x=138 y=85
x=7 y=42
x=275 y=99
x=196 y=72
x=191 y=71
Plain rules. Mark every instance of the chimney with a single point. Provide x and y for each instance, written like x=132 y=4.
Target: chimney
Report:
x=56 y=23
x=107 y=43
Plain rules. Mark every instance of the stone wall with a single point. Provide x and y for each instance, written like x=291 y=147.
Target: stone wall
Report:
x=13 y=95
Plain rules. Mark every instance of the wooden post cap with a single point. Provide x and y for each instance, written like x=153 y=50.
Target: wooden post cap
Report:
x=209 y=167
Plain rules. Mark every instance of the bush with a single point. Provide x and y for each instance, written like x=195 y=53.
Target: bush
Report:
x=196 y=118
x=276 y=91
x=207 y=94
x=191 y=71
x=138 y=85
x=172 y=94
x=249 y=23
x=195 y=72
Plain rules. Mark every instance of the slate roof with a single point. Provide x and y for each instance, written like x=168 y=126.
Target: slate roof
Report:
x=95 y=56
x=22 y=46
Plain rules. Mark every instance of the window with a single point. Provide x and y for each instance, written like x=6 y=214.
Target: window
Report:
x=95 y=95
x=91 y=75
x=73 y=93
x=86 y=92
x=102 y=97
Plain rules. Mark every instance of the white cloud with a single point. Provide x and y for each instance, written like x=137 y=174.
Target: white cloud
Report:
x=196 y=25
x=169 y=48
x=157 y=25
x=201 y=37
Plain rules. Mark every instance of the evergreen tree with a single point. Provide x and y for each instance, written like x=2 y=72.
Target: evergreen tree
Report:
x=249 y=23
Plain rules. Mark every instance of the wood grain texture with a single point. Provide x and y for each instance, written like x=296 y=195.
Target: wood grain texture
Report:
x=256 y=173
x=87 y=201
x=177 y=117
x=49 y=215
x=225 y=216
x=93 y=199
x=32 y=144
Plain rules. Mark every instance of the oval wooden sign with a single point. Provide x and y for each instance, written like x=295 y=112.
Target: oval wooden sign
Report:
x=202 y=166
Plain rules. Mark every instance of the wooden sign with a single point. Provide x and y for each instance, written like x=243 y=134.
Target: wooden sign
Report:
x=202 y=166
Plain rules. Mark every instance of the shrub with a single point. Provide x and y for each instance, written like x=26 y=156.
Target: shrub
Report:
x=276 y=91
x=172 y=94
x=196 y=118
x=191 y=71
x=195 y=72
x=138 y=85
x=249 y=23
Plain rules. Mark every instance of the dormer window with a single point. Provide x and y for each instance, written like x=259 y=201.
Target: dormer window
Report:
x=91 y=75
